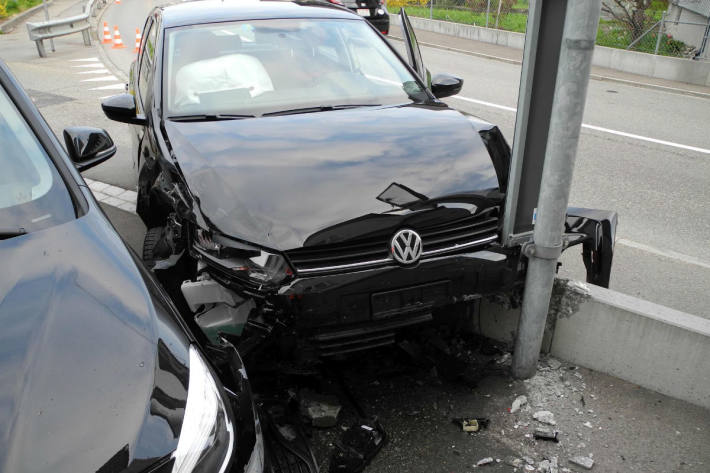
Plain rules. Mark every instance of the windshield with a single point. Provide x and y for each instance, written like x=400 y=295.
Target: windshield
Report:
x=32 y=195
x=258 y=67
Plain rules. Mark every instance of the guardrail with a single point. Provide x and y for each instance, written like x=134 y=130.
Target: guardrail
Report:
x=38 y=32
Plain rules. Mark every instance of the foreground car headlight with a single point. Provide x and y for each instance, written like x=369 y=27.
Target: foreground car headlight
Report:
x=207 y=434
x=242 y=260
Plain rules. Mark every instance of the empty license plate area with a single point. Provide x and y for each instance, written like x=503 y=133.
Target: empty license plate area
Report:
x=411 y=299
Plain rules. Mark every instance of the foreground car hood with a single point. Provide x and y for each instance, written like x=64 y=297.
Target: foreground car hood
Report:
x=93 y=371
x=277 y=180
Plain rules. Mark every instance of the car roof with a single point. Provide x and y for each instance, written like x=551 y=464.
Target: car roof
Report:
x=214 y=11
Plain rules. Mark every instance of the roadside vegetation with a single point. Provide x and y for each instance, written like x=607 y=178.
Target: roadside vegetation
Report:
x=11 y=7
x=620 y=25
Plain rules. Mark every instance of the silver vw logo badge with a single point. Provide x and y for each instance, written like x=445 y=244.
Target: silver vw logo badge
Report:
x=406 y=246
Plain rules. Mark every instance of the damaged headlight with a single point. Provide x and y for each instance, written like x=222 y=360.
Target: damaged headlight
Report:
x=207 y=434
x=242 y=260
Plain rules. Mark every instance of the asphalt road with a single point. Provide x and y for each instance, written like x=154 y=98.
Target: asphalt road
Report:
x=661 y=190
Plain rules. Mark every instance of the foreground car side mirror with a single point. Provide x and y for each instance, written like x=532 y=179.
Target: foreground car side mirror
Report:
x=122 y=108
x=445 y=85
x=88 y=146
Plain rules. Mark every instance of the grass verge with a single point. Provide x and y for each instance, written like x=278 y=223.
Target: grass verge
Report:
x=11 y=7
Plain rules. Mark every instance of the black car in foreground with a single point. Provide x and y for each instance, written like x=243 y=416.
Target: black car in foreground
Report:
x=98 y=372
x=297 y=176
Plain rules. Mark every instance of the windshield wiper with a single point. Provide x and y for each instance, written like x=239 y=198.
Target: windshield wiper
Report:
x=320 y=108
x=7 y=233
x=208 y=117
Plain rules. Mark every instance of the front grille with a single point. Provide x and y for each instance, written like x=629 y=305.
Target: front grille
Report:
x=451 y=237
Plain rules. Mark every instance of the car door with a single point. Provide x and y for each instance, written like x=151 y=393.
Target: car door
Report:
x=414 y=55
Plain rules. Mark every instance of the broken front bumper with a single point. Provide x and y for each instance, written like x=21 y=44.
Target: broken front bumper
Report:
x=361 y=309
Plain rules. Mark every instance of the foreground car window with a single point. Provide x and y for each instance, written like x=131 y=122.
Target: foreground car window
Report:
x=32 y=194
x=266 y=66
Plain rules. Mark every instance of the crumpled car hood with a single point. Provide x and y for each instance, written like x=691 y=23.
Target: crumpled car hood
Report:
x=275 y=181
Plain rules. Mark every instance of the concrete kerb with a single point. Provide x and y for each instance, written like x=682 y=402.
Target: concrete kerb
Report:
x=656 y=347
x=12 y=23
x=661 y=67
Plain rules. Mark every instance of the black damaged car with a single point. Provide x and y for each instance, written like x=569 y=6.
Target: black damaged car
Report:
x=98 y=371
x=297 y=175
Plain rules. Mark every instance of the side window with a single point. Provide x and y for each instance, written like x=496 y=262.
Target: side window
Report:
x=146 y=62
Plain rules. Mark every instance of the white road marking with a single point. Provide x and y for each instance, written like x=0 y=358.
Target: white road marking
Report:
x=111 y=87
x=646 y=138
x=101 y=79
x=597 y=128
x=664 y=253
x=97 y=71
x=98 y=64
x=86 y=59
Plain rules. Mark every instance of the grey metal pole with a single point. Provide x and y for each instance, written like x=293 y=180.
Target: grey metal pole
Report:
x=500 y=3
x=660 y=32
x=580 y=31
x=488 y=11
x=431 y=9
x=46 y=17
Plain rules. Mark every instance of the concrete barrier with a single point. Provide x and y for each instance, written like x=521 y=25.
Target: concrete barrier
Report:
x=644 y=343
x=660 y=67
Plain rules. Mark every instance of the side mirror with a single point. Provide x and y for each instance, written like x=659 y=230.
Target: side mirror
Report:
x=88 y=146
x=122 y=108
x=445 y=85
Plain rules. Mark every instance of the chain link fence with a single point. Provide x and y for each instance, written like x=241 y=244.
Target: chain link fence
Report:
x=648 y=31
x=504 y=14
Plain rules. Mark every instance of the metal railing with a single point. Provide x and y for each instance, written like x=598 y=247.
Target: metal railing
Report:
x=40 y=31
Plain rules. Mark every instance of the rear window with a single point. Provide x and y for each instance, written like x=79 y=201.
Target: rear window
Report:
x=265 y=66
x=32 y=194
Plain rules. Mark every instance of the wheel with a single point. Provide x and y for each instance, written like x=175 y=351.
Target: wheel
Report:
x=154 y=244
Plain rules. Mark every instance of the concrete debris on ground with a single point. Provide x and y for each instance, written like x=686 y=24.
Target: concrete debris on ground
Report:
x=553 y=363
x=514 y=462
x=485 y=461
x=519 y=402
x=546 y=417
x=584 y=462
x=321 y=410
x=548 y=466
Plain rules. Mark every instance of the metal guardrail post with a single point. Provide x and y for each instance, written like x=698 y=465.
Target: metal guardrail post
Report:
x=46 y=18
x=579 y=34
x=38 y=32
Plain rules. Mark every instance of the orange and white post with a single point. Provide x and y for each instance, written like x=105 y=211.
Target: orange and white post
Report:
x=117 y=41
